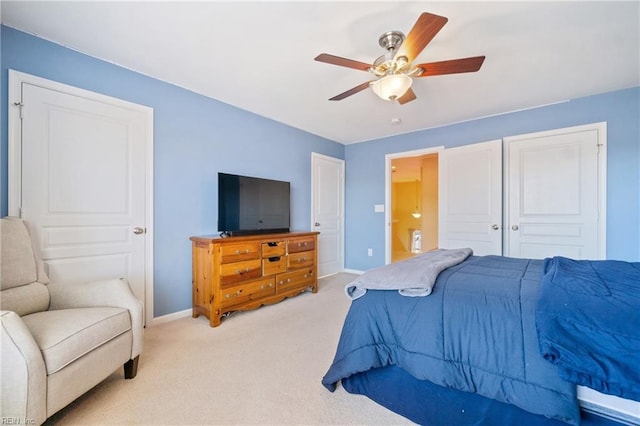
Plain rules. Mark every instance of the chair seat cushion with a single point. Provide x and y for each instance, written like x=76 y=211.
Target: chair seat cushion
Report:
x=67 y=334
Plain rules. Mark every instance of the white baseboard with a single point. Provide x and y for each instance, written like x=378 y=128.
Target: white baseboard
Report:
x=170 y=317
x=346 y=271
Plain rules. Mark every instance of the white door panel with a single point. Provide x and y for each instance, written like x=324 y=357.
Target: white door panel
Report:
x=470 y=205
x=83 y=183
x=554 y=195
x=328 y=212
x=85 y=269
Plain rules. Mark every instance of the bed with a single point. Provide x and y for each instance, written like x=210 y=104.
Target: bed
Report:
x=491 y=339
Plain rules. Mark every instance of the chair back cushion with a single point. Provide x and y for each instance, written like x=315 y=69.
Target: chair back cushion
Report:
x=23 y=277
x=26 y=299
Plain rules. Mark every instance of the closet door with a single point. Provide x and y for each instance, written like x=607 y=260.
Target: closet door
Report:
x=554 y=193
x=470 y=199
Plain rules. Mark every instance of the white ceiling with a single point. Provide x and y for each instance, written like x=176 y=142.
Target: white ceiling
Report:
x=258 y=56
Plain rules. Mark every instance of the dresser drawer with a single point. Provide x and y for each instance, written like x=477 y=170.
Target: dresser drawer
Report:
x=273 y=248
x=302 y=259
x=274 y=265
x=296 y=279
x=300 y=244
x=240 y=251
x=245 y=293
x=231 y=273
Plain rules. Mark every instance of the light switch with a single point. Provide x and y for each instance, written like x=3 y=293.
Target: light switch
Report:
x=378 y=208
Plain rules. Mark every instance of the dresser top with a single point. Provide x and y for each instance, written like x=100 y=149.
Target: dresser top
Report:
x=253 y=237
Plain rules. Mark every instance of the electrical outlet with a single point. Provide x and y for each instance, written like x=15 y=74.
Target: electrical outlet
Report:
x=369 y=252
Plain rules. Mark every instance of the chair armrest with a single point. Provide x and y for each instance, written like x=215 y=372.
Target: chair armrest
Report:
x=22 y=372
x=114 y=292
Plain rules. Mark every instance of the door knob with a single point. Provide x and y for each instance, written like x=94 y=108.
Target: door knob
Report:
x=316 y=224
x=137 y=230
x=515 y=227
x=495 y=227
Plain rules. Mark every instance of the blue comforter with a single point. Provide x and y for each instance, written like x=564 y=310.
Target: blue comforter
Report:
x=476 y=332
x=588 y=319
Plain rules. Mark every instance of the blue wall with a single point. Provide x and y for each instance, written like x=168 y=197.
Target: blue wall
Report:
x=194 y=138
x=365 y=171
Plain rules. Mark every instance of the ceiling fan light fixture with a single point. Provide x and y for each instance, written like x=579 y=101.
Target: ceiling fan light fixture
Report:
x=391 y=87
x=394 y=70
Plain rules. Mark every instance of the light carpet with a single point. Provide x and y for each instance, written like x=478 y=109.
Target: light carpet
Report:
x=258 y=367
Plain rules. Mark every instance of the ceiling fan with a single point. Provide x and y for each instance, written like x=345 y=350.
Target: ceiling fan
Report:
x=394 y=69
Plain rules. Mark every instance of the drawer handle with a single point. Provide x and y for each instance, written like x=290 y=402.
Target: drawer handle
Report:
x=236 y=294
x=274 y=259
x=302 y=259
x=242 y=271
x=247 y=251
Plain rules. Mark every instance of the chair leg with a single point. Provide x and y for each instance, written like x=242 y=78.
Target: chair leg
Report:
x=131 y=368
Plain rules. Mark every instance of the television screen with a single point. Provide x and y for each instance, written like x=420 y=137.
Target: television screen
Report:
x=250 y=205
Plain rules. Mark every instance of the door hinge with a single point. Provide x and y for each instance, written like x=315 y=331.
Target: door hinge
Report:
x=21 y=106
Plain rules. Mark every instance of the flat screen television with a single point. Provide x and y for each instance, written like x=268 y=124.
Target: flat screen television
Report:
x=250 y=205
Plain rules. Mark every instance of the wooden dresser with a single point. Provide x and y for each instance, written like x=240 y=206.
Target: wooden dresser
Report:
x=246 y=272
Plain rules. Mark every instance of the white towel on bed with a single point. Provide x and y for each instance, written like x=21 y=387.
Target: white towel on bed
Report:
x=413 y=277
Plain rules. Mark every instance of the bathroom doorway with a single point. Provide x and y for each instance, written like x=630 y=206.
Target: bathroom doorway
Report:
x=412 y=204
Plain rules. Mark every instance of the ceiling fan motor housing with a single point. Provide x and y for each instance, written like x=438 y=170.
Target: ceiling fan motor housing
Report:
x=387 y=64
x=391 y=40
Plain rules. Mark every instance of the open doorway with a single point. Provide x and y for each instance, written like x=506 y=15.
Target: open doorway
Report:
x=413 y=205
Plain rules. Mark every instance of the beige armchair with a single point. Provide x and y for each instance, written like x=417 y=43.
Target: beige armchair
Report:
x=58 y=340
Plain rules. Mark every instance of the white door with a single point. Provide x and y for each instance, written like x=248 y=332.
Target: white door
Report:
x=555 y=193
x=328 y=212
x=470 y=201
x=82 y=185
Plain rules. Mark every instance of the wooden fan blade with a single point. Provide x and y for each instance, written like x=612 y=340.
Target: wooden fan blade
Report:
x=343 y=62
x=408 y=96
x=350 y=92
x=453 y=66
x=423 y=31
